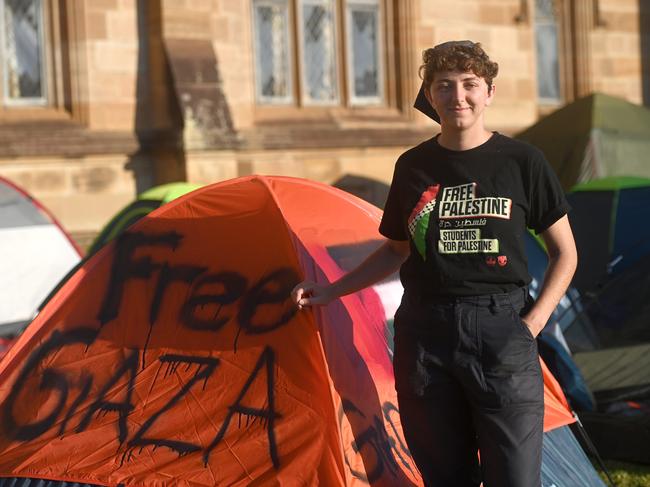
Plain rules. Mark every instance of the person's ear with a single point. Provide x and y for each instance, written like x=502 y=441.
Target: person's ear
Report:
x=427 y=94
x=491 y=90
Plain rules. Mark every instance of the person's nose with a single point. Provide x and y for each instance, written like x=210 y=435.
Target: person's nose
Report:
x=459 y=93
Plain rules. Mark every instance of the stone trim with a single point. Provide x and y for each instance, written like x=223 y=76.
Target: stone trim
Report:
x=407 y=82
x=318 y=135
x=583 y=21
x=74 y=68
x=61 y=138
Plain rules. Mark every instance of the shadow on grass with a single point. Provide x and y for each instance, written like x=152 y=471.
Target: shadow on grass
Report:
x=625 y=474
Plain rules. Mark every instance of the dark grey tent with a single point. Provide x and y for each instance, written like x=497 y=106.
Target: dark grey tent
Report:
x=594 y=137
x=367 y=189
x=611 y=340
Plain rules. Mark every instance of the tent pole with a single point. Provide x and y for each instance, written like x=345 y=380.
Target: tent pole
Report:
x=592 y=448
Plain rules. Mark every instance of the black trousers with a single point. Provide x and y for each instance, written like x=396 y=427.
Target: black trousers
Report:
x=468 y=378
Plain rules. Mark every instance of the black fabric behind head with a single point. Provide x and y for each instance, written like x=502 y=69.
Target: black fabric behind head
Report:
x=423 y=105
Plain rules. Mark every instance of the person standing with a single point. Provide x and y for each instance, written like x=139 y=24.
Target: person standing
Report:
x=467 y=371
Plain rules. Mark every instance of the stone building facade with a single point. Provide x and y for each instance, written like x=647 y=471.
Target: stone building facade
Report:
x=134 y=93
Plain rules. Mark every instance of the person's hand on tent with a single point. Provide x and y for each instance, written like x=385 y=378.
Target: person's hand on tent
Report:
x=308 y=293
x=381 y=263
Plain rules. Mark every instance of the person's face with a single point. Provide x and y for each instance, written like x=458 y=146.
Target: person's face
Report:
x=459 y=98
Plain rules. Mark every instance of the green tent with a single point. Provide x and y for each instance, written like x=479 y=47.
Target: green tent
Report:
x=594 y=137
x=146 y=202
x=608 y=219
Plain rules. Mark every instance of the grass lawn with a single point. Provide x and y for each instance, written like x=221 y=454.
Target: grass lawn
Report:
x=626 y=474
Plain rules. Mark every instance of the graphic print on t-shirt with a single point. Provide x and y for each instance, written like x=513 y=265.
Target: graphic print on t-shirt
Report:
x=418 y=222
x=461 y=214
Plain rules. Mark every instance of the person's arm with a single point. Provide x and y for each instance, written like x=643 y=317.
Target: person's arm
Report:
x=562 y=261
x=381 y=263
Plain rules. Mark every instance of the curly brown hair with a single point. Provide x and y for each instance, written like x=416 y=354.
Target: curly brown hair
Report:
x=457 y=56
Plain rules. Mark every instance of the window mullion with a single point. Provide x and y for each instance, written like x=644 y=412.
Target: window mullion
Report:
x=296 y=52
x=342 y=52
x=52 y=55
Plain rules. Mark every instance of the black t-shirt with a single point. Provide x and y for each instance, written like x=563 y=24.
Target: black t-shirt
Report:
x=465 y=214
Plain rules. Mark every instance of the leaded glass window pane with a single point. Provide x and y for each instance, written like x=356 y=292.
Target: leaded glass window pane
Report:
x=22 y=51
x=546 y=39
x=318 y=52
x=272 y=52
x=364 y=52
x=544 y=11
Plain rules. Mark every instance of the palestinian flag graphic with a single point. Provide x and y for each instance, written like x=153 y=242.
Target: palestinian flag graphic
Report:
x=418 y=222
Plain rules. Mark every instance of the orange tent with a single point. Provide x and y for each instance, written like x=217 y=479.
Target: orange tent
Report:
x=175 y=355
